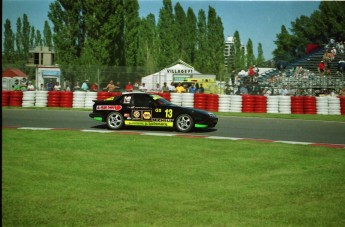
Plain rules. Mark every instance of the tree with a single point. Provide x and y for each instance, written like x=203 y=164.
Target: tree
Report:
x=9 y=51
x=191 y=37
x=26 y=37
x=47 y=39
x=19 y=40
x=239 y=62
x=132 y=21
x=260 y=61
x=202 y=47
x=32 y=37
x=284 y=46
x=250 y=53
x=180 y=32
x=167 y=43
x=38 y=38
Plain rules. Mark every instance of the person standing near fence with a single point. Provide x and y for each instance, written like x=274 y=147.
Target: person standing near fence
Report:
x=110 y=87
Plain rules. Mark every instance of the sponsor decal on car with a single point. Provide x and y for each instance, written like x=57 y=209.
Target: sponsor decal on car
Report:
x=147 y=115
x=109 y=107
x=149 y=123
x=136 y=115
x=162 y=120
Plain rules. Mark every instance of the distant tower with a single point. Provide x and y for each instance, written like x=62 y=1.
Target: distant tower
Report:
x=229 y=50
x=41 y=56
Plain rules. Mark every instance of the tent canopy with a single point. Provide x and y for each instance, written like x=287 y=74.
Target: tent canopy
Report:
x=13 y=73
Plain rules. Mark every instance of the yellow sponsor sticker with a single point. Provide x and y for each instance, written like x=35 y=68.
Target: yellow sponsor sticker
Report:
x=149 y=123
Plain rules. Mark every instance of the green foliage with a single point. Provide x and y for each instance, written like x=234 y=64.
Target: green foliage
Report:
x=112 y=179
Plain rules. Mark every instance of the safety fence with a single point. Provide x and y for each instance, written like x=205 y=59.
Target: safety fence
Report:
x=327 y=105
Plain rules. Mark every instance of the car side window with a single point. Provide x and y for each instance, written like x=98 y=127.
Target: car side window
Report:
x=142 y=100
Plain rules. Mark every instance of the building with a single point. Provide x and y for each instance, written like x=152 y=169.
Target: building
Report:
x=229 y=50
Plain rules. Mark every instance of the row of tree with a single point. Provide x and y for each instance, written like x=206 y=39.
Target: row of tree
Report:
x=323 y=24
x=111 y=34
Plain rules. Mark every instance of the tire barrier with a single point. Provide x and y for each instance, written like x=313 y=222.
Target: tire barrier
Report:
x=16 y=98
x=342 y=105
x=29 y=98
x=309 y=104
x=297 y=106
x=5 y=98
x=54 y=98
x=79 y=99
x=284 y=104
x=224 y=103
x=326 y=105
x=89 y=97
x=272 y=104
x=41 y=99
x=248 y=103
x=260 y=104
x=188 y=100
x=199 y=101
x=235 y=103
x=176 y=98
x=212 y=102
x=66 y=99
x=333 y=105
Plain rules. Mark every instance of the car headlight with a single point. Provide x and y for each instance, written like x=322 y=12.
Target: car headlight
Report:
x=211 y=115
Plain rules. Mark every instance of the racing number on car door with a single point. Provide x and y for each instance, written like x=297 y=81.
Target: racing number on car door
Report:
x=168 y=113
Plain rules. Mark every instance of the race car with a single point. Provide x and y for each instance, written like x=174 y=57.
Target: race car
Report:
x=144 y=109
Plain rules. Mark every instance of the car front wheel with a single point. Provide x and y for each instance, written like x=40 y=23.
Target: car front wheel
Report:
x=115 y=120
x=184 y=123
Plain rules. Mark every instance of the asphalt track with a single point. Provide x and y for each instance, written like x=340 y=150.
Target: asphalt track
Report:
x=234 y=127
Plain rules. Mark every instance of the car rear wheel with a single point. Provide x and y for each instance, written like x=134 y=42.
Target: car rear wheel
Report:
x=115 y=120
x=184 y=123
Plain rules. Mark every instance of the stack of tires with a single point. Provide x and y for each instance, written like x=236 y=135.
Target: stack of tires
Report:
x=28 y=98
x=188 y=99
x=284 y=104
x=79 y=99
x=322 y=105
x=297 y=106
x=248 y=103
x=342 y=104
x=272 y=104
x=5 y=98
x=212 y=102
x=176 y=98
x=54 y=98
x=260 y=104
x=105 y=95
x=15 y=98
x=89 y=97
x=224 y=103
x=199 y=101
x=66 y=99
x=333 y=105
x=309 y=104
x=236 y=103
x=41 y=99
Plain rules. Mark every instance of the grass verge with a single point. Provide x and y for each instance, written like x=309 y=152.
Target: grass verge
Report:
x=70 y=178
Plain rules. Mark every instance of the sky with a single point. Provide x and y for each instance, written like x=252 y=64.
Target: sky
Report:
x=259 y=21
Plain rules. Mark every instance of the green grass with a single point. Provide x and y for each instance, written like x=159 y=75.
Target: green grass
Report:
x=70 y=178
x=314 y=117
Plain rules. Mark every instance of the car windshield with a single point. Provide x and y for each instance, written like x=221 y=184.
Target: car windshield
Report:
x=161 y=100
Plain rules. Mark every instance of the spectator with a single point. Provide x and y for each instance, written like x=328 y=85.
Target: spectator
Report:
x=266 y=92
x=117 y=87
x=129 y=87
x=84 y=86
x=179 y=88
x=16 y=86
x=143 y=88
x=67 y=88
x=165 y=88
x=284 y=91
x=342 y=92
x=321 y=68
x=244 y=90
x=251 y=73
x=41 y=88
x=172 y=87
x=76 y=86
x=23 y=85
x=192 y=88
x=94 y=87
x=110 y=87
x=30 y=87
x=57 y=87
x=201 y=89
x=50 y=86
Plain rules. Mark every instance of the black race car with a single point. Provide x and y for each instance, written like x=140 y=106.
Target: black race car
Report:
x=143 y=109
